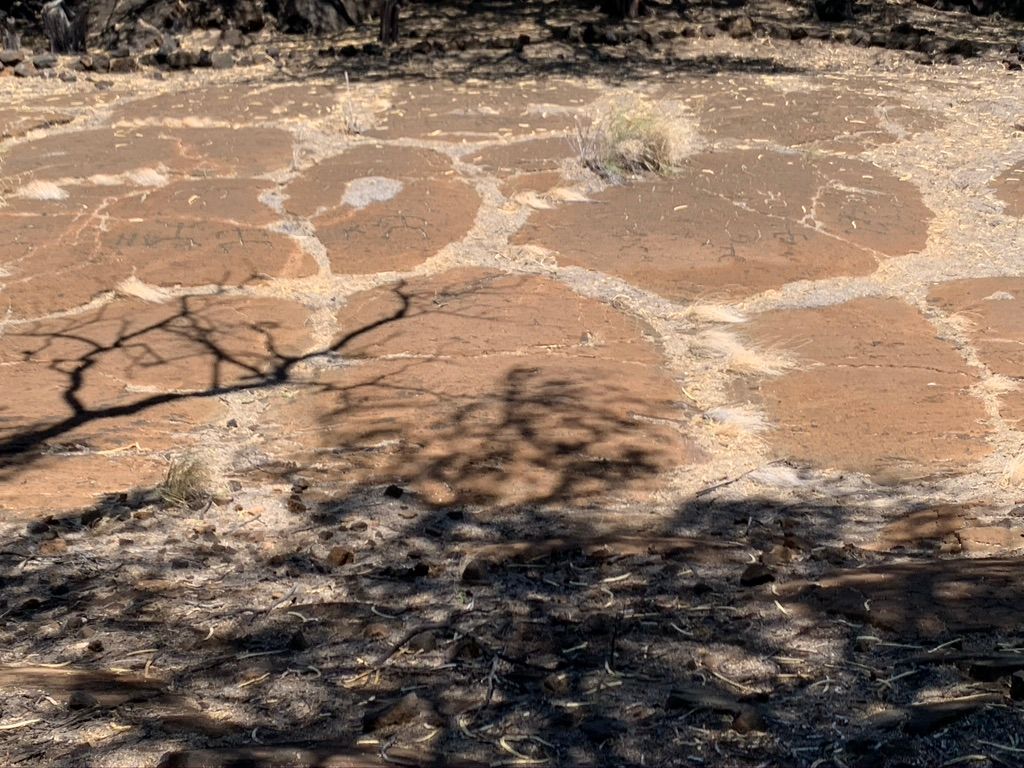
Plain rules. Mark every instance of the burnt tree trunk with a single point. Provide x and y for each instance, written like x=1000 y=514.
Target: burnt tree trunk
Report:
x=623 y=9
x=66 y=35
x=833 y=10
x=389 y=10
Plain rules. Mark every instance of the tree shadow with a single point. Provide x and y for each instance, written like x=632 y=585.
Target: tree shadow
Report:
x=581 y=648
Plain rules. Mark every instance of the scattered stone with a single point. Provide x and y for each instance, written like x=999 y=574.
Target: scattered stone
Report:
x=394 y=492
x=422 y=642
x=747 y=720
x=38 y=526
x=741 y=27
x=1017 y=686
x=993 y=668
x=12 y=57
x=123 y=65
x=222 y=60
x=144 y=36
x=298 y=641
x=232 y=38
x=932 y=716
x=407 y=709
x=756 y=574
x=45 y=61
x=81 y=700
x=558 y=683
x=54 y=546
x=25 y=69
x=602 y=729
x=99 y=63
x=477 y=571
x=182 y=59
x=778 y=555
x=95 y=645
x=339 y=556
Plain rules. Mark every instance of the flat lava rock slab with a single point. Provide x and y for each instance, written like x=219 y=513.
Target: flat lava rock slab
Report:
x=738 y=222
x=834 y=117
x=88 y=398
x=992 y=310
x=480 y=387
x=187 y=344
x=530 y=156
x=59 y=262
x=236 y=103
x=324 y=186
x=875 y=391
x=1009 y=187
x=240 y=152
x=447 y=110
x=379 y=209
x=15 y=122
x=69 y=484
x=235 y=200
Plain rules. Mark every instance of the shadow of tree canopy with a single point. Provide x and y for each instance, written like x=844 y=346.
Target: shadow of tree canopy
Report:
x=187 y=342
x=222 y=641
x=325 y=614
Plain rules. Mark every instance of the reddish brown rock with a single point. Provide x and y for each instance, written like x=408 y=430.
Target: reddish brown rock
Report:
x=96 y=151
x=877 y=391
x=488 y=388
x=112 y=151
x=735 y=223
x=98 y=392
x=531 y=156
x=836 y=116
x=401 y=233
x=18 y=122
x=1009 y=187
x=235 y=103
x=58 y=262
x=189 y=344
x=323 y=187
x=234 y=200
x=949 y=528
x=380 y=209
x=428 y=109
x=540 y=182
x=182 y=252
x=992 y=311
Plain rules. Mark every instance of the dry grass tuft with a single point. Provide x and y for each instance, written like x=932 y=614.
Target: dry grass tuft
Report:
x=742 y=359
x=634 y=137
x=147 y=177
x=702 y=312
x=189 y=482
x=42 y=190
x=737 y=419
x=135 y=288
x=1013 y=474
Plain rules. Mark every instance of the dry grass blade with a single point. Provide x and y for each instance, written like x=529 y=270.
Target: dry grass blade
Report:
x=188 y=482
x=1013 y=474
x=632 y=138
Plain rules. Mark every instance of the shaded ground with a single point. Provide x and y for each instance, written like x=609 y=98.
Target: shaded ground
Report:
x=513 y=465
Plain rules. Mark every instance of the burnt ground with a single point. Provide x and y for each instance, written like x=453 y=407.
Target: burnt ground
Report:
x=511 y=463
